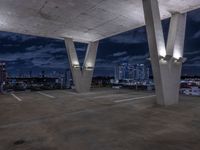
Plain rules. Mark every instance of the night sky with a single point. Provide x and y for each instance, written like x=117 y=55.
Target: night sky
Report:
x=24 y=53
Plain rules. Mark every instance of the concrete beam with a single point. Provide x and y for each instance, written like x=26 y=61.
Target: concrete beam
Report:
x=176 y=36
x=165 y=65
x=82 y=75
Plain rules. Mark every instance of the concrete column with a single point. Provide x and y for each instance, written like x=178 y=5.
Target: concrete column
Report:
x=176 y=37
x=74 y=63
x=166 y=63
x=82 y=76
x=89 y=64
x=175 y=46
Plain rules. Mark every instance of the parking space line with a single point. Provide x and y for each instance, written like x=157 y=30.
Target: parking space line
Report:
x=135 y=98
x=47 y=95
x=17 y=98
x=110 y=95
x=72 y=93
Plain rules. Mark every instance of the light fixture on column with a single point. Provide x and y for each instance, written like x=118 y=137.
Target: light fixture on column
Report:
x=177 y=53
x=89 y=68
x=89 y=65
x=76 y=66
x=180 y=60
x=166 y=58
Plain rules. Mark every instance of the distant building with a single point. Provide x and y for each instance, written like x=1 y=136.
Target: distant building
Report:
x=147 y=74
x=68 y=78
x=3 y=75
x=138 y=72
x=65 y=79
x=120 y=72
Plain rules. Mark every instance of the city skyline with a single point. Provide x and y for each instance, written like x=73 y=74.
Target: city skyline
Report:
x=138 y=72
x=23 y=53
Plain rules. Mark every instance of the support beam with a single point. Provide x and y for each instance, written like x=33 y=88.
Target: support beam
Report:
x=82 y=76
x=156 y=43
x=176 y=37
x=165 y=65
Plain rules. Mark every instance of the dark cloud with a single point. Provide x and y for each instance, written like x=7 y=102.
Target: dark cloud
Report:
x=119 y=54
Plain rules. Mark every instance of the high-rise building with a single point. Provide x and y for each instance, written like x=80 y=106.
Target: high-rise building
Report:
x=121 y=71
x=138 y=72
x=3 y=75
x=68 y=78
x=147 y=74
x=2 y=72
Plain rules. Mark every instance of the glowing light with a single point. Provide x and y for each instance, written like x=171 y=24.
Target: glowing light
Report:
x=76 y=66
x=180 y=60
x=75 y=63
x=165 y=59
x=89 y=64
x=162 y=60
x=162 y=51
x=89 y=68
x=177 y=54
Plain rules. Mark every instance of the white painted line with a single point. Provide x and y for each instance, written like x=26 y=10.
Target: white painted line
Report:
x=47 y=95
x=135 y=98
x=17 y=98
x=80 y=94
x=110 y=95
x=72 y=93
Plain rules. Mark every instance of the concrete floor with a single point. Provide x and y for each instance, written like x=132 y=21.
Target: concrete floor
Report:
x=100 y=120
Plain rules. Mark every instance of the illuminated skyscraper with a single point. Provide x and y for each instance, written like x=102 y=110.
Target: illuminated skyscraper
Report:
x=138 y=72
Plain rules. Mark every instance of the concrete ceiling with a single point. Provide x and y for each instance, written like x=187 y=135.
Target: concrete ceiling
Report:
x=82 y=20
